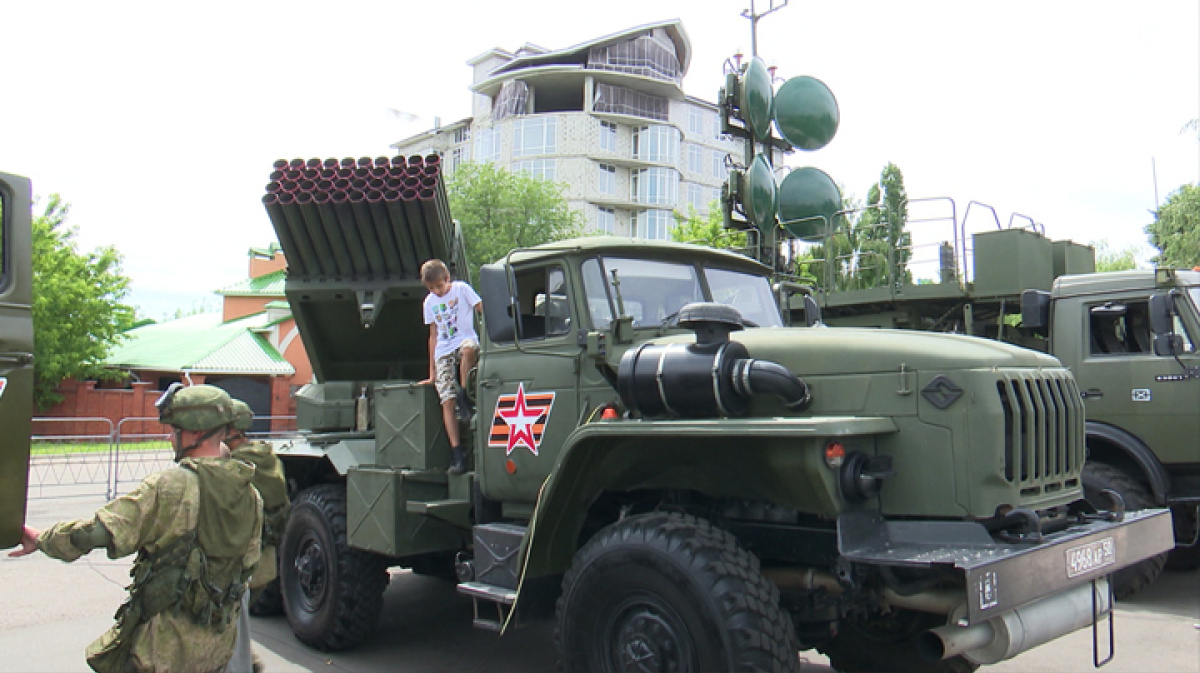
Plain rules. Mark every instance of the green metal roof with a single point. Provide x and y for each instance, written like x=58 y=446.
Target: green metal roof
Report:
x=203 y=344
x=267 y=285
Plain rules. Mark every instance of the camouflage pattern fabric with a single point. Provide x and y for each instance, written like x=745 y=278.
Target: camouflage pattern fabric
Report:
x=272 y=486
x=191 y=526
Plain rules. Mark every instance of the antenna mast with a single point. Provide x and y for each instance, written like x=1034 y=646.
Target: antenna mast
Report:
x=750 y=14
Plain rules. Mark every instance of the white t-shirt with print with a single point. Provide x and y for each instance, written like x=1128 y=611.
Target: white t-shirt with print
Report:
x=452 y=313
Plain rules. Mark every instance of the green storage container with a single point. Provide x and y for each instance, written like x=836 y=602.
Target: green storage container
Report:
x=409 y=432
x=1009 y=261
x=324 y=407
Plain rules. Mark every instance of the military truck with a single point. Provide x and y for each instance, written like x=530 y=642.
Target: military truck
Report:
x=1128 y=337
x=681 y=481
x=16 y=353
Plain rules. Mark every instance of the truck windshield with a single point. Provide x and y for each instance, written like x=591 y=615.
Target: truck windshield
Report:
x=653 y=291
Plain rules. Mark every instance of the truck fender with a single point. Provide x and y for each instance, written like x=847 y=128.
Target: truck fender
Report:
x=1125 y=450
x=632 y=455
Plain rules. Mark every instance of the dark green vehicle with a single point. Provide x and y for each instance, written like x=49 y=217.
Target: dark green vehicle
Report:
x=16 y=354
x=683 y=482
x=1129 y=338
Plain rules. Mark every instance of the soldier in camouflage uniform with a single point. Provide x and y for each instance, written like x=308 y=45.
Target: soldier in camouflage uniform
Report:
x=271 y=485
x=196 y=530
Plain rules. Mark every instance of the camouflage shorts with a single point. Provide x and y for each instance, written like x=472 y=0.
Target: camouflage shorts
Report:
x=447 y=371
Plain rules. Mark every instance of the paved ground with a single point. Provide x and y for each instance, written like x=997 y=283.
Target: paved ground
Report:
x=52 y=610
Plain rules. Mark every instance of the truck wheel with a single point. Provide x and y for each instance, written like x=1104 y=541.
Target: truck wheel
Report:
x=669 y=592
x=1099 y=476
x=332 y=594
x=888 y=642
x=267 y=601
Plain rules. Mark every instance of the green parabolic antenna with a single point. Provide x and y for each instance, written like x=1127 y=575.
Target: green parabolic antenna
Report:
x=756 y=98
x=760 y=194
x=808 y=199
x=806 y=113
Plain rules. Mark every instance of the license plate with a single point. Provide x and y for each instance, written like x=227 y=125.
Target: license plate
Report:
x=1092 y=556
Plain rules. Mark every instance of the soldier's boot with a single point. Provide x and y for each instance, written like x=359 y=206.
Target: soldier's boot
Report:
x=458 y=461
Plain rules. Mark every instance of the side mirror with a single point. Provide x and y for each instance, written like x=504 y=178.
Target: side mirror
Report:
x=1162 y=309
x=812 y=312
x=1168 y=344
x=496 y=293
x=1035 y=309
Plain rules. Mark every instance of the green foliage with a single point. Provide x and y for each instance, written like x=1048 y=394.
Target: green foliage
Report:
x=499 y=211
x=871 y=246
x=77 y=309
x=1175 y=230
x=1108 y=259
x=708 y=230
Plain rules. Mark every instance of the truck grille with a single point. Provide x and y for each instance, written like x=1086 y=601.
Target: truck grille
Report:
x=1043 y=430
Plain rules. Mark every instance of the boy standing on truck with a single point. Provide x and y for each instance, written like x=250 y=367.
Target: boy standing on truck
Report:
x=452 y=338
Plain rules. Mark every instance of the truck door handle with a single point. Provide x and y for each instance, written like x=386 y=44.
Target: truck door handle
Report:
x=1091 y=392
x=16 y=359
x=490 y=382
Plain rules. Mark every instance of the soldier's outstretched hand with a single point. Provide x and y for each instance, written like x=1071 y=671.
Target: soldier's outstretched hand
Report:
x=29 y=538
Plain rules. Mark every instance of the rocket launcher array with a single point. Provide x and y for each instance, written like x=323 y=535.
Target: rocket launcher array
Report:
x=363 y=219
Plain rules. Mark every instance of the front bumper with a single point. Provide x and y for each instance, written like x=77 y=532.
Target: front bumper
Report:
x=1000 y=576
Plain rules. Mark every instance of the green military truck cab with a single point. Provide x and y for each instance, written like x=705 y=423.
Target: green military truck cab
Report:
x=16 y=353
x=680 y=480
x=1015 y=284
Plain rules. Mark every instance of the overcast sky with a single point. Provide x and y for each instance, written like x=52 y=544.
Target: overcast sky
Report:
x=159 y=121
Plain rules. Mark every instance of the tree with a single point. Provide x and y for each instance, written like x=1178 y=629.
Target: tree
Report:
x=1175 y=230
x=708 y=230
x=77 y=311
x=1108 y=259
x=499 y=211
x=871 y=245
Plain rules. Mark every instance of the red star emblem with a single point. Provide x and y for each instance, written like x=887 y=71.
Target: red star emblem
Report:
x=524 y=417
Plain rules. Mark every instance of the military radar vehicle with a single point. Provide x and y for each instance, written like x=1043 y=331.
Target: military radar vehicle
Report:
x=1128 y=337
x=683 y=482
x=16 y=353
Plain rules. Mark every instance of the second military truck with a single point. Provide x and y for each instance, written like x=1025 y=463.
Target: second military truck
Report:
x=681 y=481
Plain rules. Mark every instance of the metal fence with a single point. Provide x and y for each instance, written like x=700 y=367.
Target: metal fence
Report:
x=97 y=456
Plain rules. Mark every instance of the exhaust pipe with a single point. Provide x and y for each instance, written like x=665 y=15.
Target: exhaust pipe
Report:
x=1019 y=630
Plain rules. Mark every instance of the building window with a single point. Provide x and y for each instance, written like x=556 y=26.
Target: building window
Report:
x=659 y=144
x=657 y=186
x=542 y=169
x=606 y=179
x=487 y=146
x=695 y=159
x=696 y=122
x=462 y=134
x=718 y=164
x=457 y=156
x=533 y=136
x=606 y=221
x=608 y=136
x=717 y=135
x=695 y=197
x=655 y=224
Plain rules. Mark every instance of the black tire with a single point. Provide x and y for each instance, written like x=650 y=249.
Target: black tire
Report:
x=887 y=643
x=666 y=591
x=332 y=594
x=1100 y=476
x=267 y=601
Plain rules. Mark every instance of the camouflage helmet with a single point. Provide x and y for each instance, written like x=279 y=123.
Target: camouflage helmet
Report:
x=243 y=415
x=200 y=407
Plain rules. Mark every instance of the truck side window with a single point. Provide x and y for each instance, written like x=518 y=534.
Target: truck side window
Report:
x=542 y=297
x=1124 y=329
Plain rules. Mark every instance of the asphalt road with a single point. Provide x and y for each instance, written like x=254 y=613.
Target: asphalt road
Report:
x=53 y=610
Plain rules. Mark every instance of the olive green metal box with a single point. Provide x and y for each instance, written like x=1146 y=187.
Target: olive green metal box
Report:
x=326 y=406
x=409 y=431
x=378 y=517
x=1009 y=261
x=1072 y=257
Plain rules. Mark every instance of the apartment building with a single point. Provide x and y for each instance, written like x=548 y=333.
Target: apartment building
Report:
x=608 y=118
